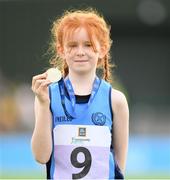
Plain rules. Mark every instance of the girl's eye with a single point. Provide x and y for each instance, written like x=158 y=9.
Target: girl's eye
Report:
x=72 y=45
x=88 y=44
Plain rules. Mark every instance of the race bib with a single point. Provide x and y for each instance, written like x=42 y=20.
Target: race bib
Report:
x=81 y=152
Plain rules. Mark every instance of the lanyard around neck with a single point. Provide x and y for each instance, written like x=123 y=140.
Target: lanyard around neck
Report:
x=71 y=93
x=62 y=94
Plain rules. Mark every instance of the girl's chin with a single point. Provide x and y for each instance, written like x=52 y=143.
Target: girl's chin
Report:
x=82 y=70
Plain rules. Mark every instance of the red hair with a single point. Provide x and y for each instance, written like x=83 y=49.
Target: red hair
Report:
x=96 y=27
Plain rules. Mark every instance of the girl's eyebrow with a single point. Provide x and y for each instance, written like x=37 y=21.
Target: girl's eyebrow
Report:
x=74 y=42
x=71 y=42
x=87 y=41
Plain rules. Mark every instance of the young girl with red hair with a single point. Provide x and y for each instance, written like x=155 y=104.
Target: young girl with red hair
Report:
x=81 y=127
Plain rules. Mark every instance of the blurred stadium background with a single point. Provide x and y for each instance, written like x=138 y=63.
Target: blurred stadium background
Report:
x=141 y=51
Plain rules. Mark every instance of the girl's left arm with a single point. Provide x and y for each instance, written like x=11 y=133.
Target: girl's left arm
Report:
x=120 y=134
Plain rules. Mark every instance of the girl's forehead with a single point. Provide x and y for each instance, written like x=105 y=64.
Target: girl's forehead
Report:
x=81 y=35
x=77 y=34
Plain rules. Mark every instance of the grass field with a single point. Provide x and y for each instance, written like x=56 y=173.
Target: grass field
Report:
x=35 y=175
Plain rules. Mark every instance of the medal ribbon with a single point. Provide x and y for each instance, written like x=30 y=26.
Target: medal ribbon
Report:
x=70 y=90
x=62 y=94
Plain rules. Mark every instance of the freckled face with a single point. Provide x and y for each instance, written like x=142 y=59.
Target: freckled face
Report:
x=79 y=53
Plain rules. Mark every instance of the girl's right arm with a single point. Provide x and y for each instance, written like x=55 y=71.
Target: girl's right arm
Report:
x=41 y=141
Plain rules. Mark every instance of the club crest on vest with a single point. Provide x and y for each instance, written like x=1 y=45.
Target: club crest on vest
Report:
x=98 y=118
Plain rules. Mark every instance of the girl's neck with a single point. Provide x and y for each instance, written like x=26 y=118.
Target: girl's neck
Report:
x=82 y=83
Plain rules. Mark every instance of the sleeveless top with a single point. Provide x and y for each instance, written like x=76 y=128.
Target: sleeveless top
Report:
x=82 y=144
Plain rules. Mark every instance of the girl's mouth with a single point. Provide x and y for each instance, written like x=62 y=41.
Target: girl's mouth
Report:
x=81 y=61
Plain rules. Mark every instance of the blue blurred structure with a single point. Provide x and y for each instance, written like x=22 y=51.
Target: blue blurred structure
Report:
x=16 y=159
x=147 y=156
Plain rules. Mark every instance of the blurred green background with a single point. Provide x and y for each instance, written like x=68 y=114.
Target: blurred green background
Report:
x=141 y=41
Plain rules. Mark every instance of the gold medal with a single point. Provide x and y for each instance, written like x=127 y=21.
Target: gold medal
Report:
x=53 y=74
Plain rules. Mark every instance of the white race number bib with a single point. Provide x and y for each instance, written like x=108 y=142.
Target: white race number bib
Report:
x=81 y=152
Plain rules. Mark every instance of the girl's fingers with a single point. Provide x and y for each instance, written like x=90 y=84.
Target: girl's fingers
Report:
x=38 y=77
x=40 y=84
x=44 y=84
x=42 y=90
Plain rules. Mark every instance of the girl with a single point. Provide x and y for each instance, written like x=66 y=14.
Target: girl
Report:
x=81 y=127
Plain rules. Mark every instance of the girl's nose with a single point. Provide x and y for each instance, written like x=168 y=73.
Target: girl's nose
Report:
x=80 y=51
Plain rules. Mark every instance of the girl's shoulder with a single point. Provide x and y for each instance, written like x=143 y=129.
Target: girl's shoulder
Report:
x=118 y=99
